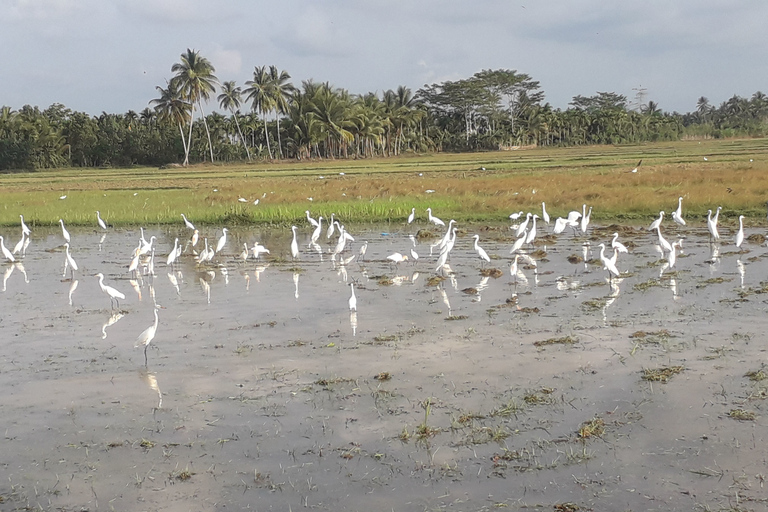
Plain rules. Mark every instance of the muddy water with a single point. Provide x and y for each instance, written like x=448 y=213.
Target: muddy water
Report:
x=263 y=391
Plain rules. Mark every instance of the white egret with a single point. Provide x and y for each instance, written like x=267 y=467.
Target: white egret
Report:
x=618 y=245
x=519 y=242
x=222 y=240
x=64 y=231
x=146 y=337
x=480 y=251
x=657 y=222
x=259 y=250
x=363 y=250
x=24 y=228
x=195 y=238
x=513 y=270
x=245 y=253
x=312 y=221
x=516 y=216
x=397 y=258
x=173 y=254
x=573 y=216
x=532 y=233
x=414 y=256
x=712 y=225
x=412 y=216
x=560 y=225
x=294 y=243
x=585 y=216
x=434 y=220
x=20 y=244
x=146 y=247
x=447 y=237
x=677 y=215
x=672 y=256
x=740 y=233
x=113 y=294
x=523 y=225
x=331 y=227
x=317 y=231
x=544 y=214
x=70 y=260
x=100 y=221
x=6 y=252
x=608 y=264
x=663 y=241
x=352 y=299
x=187 y=223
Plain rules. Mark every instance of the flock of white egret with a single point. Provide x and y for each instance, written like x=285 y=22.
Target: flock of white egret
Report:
x=141 y=260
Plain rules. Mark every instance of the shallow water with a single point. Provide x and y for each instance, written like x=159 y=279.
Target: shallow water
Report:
x=266 y=392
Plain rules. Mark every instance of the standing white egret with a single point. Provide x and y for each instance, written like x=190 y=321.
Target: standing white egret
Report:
x=712 y=226
x=480 y=251
x=544 y=214
x=20 y=244
x=397 y=258
x=532 y=233
x=146 y=247
x=414 y=255
x=618 y=245
x=585 y=216
x=24 y=228
x=173 y=254
x=331 y=227
x=412 y=215
x=657 y=222
x=187 y=223
x=195 y=238
x=352 y=299
x=447 y=237
x=245 y=253
x=70 y=260
x=740 y=233
x=294 y=244
x=434 y=220
x=112 y=293
x=102 y=224
x=519 y=242
x=64 y=231
x=363 y=250
x=258 y=250
x=5 y=251
x=513 y=268
x=312 y=221
x=516 y=216
x=222 y=240
x=677 y=215
x=146 y=337
x=672 y=256
x=316 y=233
x=663 y=241
x=523 y=225
x=608 y=264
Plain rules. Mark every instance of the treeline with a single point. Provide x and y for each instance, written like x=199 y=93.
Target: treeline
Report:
x=271 y=118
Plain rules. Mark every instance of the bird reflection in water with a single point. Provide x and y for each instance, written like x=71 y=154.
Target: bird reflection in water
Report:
x=353 y=322
x=742 y=272
x=72 y=288
x=296 y=285
x=150 y=380
x=113 y=318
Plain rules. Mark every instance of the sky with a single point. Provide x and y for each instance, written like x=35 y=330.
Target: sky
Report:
x=109 y=55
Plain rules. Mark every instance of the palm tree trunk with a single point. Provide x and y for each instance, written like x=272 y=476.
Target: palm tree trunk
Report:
x=188 y=146
x=245 y=145
x=207 y=132
x=279 y=144
x=266 y=134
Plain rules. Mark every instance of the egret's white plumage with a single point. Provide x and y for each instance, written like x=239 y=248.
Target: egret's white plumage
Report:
x=100 y=221
x=434 y=220
x=677 y=215
x=113 y=294
x=20 y=244
x=585 y=216
x=519 y=242
x=740 y=233
x=618 y=245
x=352 y=299
x=64 y=231
x=523 y=225
x=222 y=240
x=312 y=221
x=294 y=243
x=146 y=337
x=5 y=251
x=412 y=216
x=663 y=241
x=657 y=222
x=397 y=258
x=712 y=225
x=24 y=228
x=544 y=214
x=608 y=264
x=480 y=251
x=70 y=260
x=173 y=254
x=187 y=223
x=317 y=231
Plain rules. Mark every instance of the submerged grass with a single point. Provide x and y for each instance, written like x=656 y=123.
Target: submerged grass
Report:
x=386 y=189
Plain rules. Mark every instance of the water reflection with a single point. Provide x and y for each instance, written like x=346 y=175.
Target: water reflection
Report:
x=112 y=320
x=296 y=285
x=740 y=267
x=353 y=322
x=72 y=288
x=150 y=380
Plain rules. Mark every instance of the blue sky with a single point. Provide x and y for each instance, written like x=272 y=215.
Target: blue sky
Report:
x=107 y=55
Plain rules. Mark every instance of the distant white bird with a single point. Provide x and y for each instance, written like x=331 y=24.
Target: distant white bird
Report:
x=447 y=237
x=516 y=216
x=412 y=216
x=397 y=258
x=712 y=225
x=519 y=242
x=480 y=251
x=331 y=227
x=544 y=214
x=24 y=228
x=64 y=231
x=363 y=250
x=740 y=233
x=677 y=215
x=618 y=245
x=294 y=243
x=513 y=270
x=560 y=225
x=637 y=166
x=318 y=229
x=434 y=220
x=5 y=251
x=222 y=240
x=312 y=221
x=187 y=223
x=259 y=250
x=414 y=255
x=352 y=299
x=585 y=216
x=146 y=337
x=663 y=241
x=113 y=294
x=102 y=224
x=573 y=216
x=245 y=253
x=523 y=225
x=70 y=260
x=608 y=264
x=657 y=222
x=532 y=233
x=242 y=200
x=195 y=238
x=173 y=254
x=146 y=247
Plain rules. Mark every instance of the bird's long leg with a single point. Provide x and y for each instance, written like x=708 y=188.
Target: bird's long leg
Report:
x=145 y=354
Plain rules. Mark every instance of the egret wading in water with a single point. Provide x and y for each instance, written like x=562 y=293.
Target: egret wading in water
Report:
x=5 y=251
x=412 y=216
x=544 y=214
x=714 y=236
x=740 y=233
x=294 y=244
x=187 y=223
x=608 y=264
x=677 y=215
x=24 y=228
x=618 y=245
x=434 y=220
x=657 y=222
x=352 y=299
x=146 y=337
x=100 y=221
x=64 y=231
x=113 y=294
x=222 y=240
x=70 y=260
x=480 y=251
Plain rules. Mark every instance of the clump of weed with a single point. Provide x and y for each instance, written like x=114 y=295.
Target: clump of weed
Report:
x=592 y=428
x=385 y=338
x=574 y=259
x=506 y=410
x=467 y=417
x=756 y=238
x=470 y=291
x=742 y=415
x=538 y=254
x=565 y=340
x=383 y=376
x=566 y=507
x=435 y=280
x=184 y=475
x=424 y=431
x=528 y=310
x=756 y=376
x=647 y=285
x=327 y=383
x=539 y=397
x=456 y=317
x=491 y=272
x=713 y=280
x=147 y=444
x=424 y=234
x=662 y=374
x=385 y=281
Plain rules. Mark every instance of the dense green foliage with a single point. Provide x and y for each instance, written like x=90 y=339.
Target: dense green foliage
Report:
x=493 y=109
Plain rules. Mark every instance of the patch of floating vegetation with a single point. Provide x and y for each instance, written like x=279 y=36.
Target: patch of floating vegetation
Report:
x=574 y=259
x=594 y=304
x=592 y=428
x=662 y=374
x=742 y=415
x=565 y=340
x=713 y=280
x=435 y=280
x=647 y=285
x=491 y=272
x=541 y=396
x=456 y=317
x=756 y=376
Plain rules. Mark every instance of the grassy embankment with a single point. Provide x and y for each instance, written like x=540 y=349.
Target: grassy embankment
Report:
x=734 y=175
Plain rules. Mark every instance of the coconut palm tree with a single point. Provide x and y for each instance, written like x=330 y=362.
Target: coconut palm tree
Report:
x=196 y=81
x=172 y=107
x=229 y=99
x=259 y=93
x=282 y=90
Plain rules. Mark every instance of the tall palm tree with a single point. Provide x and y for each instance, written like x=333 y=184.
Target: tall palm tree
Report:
x=259 y=93
x=172 y=107
x=282 y=90
x=229 y=99
x=196 y=81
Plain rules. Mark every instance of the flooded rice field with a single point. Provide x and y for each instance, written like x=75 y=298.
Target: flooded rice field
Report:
x=552 y=389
